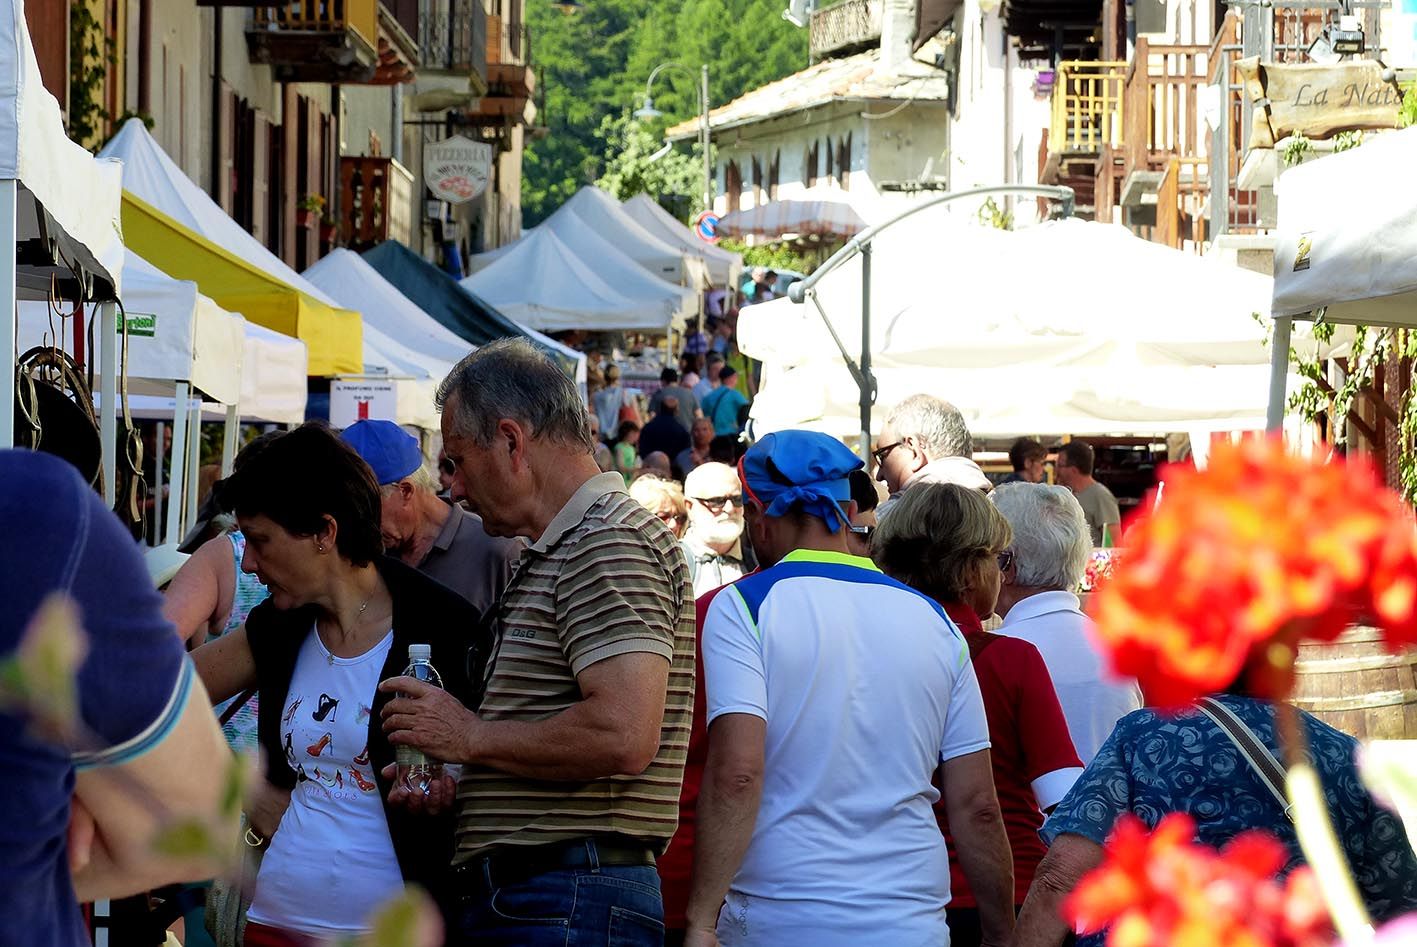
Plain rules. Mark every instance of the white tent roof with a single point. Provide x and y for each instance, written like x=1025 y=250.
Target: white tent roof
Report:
x=81 y=195
x=1355 y=216
x=190 y=338
x=723 y=267
x=1013 y=331
x=591 y=210
x=545 y=283
x=273 y=373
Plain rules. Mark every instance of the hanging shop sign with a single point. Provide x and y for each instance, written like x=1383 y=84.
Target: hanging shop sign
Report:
x=1316 y=100
x=456 y=169
x=362 y=400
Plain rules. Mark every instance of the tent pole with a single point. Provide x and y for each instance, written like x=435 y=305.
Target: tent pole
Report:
x=108 y=410
x=161 y=443
x=194 y=457
x=866 y=383
x=1278 y=372
x=229 y=438
x=8 y=302
x=179 y=454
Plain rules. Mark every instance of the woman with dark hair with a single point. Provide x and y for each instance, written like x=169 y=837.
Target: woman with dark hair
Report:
x=339 y=619
x=863 y=524
x=948 y=542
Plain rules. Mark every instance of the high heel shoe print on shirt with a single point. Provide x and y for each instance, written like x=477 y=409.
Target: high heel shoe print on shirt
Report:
x=363 y=784
x=315 y=749
x=290 y=711
x=328 y=708
x=363 y=758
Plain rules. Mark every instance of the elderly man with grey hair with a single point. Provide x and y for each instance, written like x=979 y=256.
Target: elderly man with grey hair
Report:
x=925 y=440
x=436 y=537
x=1045 y=562
x=572 y=760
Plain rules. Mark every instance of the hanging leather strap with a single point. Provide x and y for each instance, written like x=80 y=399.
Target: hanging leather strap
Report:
x=1254 y=751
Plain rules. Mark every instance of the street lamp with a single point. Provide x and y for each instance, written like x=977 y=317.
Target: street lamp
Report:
x=568 y=7
x=648 y=112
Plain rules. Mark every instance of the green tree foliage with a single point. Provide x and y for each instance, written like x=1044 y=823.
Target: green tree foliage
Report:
x=629 y=170
x=593 y=66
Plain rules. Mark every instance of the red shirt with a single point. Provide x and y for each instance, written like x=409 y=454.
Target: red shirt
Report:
x=1029 y=738
x=676 y=865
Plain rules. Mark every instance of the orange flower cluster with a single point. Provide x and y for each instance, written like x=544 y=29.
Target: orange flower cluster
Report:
x=1162 y=889
x=1262 y=547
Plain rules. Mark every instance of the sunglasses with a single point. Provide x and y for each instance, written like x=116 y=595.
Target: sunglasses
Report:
x=669 y=516
x=1006 y=560
x=865 y=532
x=446 y=467
x=881 y=453
x=716 y=504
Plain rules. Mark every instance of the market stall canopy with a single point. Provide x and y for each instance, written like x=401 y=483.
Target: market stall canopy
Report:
x=174 y=334
x=775 y=220
x=723 y=267
x=1168 y=341
x=349 y=279
x=592 y=210
x=67 y=208
x=1347 y=237
x=565 y=276
x=173 y=223
x=273 y=373
x=462 y=312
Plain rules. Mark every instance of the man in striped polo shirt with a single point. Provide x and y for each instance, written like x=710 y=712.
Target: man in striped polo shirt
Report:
x=573 y=760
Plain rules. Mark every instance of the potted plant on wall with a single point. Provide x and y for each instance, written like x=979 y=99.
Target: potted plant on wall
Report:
x=327 y=229
x=309 y=209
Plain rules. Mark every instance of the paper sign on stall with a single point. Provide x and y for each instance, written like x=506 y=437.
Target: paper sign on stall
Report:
x=362 y=400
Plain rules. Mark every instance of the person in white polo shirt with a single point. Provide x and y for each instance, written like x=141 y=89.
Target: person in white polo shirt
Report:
x=833 y=695
x=1051 y=543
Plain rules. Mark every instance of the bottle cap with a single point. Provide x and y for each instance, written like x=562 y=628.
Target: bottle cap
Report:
x=420 y=652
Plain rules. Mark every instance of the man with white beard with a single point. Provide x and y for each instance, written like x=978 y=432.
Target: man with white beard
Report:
x=713 y=543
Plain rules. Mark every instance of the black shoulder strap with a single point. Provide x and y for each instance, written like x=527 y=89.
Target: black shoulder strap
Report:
x=1251 y=748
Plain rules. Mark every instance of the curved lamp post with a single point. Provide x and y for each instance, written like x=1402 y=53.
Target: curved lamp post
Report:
x=861 y=244
x=649 y=112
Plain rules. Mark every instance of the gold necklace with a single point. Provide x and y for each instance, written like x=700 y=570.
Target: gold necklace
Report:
x=330 y=655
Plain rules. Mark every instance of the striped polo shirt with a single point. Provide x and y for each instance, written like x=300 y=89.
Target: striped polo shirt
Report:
x=606 y=578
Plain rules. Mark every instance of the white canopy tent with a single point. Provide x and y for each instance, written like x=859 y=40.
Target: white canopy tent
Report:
x=150 y=174
x=722 y=267
x=546 y=284
x=1012 y=333
x=1346 y=247
x=591 y=210
x=56 y=202
x=273 y=371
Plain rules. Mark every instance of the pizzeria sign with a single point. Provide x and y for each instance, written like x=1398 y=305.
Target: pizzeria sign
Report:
x=456 y=169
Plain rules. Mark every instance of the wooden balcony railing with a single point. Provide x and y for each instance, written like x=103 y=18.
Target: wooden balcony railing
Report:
x=1163 y=104
x=1180 y=203
x=376 y=202
x=1087 y=108
x=844 y=25
x=508 y=44
x=322 y=16
x=453 y=36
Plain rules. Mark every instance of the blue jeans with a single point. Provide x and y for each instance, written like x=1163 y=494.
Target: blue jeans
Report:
x=605 y=906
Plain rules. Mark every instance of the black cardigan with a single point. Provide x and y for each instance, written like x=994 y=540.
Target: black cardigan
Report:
x=425 y=612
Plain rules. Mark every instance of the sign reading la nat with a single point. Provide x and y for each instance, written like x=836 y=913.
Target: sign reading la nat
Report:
x=456 y=169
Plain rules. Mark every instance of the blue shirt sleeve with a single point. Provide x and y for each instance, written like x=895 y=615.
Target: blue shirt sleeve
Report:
x=1101 y=794
x=56 y=536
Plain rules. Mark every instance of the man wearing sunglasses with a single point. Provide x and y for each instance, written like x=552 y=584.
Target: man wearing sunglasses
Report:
x=713 y=544
x=925 y=440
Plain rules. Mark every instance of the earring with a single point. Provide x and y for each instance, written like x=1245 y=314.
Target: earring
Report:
x=320 y=547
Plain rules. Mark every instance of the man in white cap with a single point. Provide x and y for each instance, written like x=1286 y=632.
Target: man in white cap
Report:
x=427 y=532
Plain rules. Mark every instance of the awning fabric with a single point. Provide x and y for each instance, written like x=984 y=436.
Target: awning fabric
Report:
x=466 y=315
x=178 y=227
x=723 y=267
x=333 y=336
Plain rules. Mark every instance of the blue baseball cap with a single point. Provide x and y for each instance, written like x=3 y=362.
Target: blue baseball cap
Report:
x=388 y=449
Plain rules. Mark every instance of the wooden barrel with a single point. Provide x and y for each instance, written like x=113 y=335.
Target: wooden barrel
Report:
x=1354 y=685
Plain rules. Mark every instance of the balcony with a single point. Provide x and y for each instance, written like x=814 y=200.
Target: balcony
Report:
x=376 y=202
x=334 y=41
x=453 y=39
x=511 y=83
x=848 y=26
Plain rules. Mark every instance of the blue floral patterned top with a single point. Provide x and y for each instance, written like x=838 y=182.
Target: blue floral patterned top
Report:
x=1155 y=763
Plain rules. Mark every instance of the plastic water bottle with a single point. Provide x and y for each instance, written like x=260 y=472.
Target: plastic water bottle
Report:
x=415 y=769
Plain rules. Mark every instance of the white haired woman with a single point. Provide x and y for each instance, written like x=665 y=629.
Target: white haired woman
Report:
x=664 y=498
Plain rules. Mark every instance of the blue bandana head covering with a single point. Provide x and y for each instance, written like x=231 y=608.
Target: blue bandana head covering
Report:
x=800 y=469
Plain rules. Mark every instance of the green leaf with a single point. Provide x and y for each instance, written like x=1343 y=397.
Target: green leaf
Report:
x=408 y=920
x=1389 y=769
x=41 y=678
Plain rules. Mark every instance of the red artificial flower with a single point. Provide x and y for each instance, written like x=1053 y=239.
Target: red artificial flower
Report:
x=1162 y=889
x=1261 y=548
